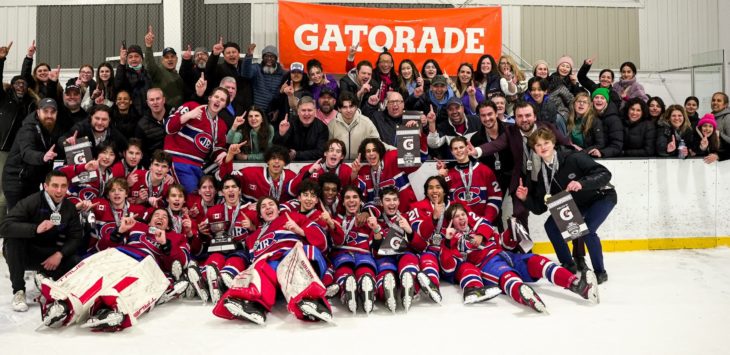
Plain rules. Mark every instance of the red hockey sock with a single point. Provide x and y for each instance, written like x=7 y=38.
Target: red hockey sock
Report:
x=539 y=266
x=510 y=283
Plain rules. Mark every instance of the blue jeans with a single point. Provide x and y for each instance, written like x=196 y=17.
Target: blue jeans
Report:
x=594 y=216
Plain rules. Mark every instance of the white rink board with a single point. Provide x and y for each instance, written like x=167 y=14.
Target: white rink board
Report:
x=657 y=198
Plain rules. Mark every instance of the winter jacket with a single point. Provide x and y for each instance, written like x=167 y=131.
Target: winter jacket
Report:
x=265 y=86
x=308 y=142
x=712 y=148
x=664 y=136
x=12 y=112
x=353 y=134
x=424 y=103
x=547 y=110
x=723 y=129
x=23 y=220
x=125 y=124
x=48 y=89
x=445 y=132
x=169 y=81
x=152 y=133
x=25 y=165
x=614 y=132
x=190 y=74
x=594 y=139
x=215 y=71
x=635 y=90
x=384 y=123
x=136 y=83
x=491 y=86
x=317 y=89
x=256 y=152
x=84 y=129
x=639 y=138
x=572 y=166
x=349 y=83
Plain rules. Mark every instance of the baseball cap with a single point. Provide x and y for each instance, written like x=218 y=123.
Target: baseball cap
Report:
x=327 y=91
x=72 y=87
x=454 y=101
x=297 y=66
x=48 y=102
x=438 y=80
x=168 y=50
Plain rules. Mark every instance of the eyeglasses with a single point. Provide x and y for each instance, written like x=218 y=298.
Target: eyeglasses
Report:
x=395 y=102
x=582 y=102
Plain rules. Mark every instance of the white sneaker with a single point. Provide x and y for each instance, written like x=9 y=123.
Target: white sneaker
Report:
x=19 y=304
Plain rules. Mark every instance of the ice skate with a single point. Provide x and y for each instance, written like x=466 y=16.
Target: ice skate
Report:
x=55 y=314
x=587 y=286
x=177 y=289
x=176 y=270
x=530 y=297
x=389 y=291
x=214 y=282
x=246 y=310
x=429 y=287
x=349 y=296
x=480 y=294
x=38 y=280
x=315 y=310
x=367 y=293
x=196 y=280
x=105 y=319
x=19 y=304
x=409 y=290
x=332 y=290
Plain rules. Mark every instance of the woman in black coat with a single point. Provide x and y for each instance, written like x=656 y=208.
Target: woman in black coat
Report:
x=674 y=133
x=589 y=185
x=639 y=130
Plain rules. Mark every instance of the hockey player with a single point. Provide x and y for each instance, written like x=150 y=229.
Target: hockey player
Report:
x=260 y=181
x=119 y=284
x=197 y=205
x=478 y=241
x=472 y=183
x=391 y=233
x=150 y=187
x=108 y=212
x=331 y=185
x=427 y=218
x=130 y=161
x=380 y=171
x=332 y=162
x=82 y=187
x=351 y=257
x=277 y=244
x=228 y=224
x=195 y=136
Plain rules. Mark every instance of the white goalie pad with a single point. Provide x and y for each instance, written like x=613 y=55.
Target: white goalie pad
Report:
x=295 y=274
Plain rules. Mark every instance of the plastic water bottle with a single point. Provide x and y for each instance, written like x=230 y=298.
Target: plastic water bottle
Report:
x=682 y=149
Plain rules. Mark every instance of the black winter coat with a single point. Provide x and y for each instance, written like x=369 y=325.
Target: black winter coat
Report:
x=25 y=165
x=614 y=132
x=136 y=83
x=664 y=136
x=639 y=138
x=84 y=129
x=572 y=166
x=48 y=89
x=152 y=133
x=215 y=71
x=308 y=142
x=12 y=112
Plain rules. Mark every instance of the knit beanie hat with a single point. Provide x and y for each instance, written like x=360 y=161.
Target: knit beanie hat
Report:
x=135 y=49
x=232 y=44
x=603 y=92
x=537 y=63
x=271 y=50
x=565 y=59
x=708 y=118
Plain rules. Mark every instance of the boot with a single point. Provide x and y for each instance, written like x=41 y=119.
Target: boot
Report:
x=530 y=297
x=429 y=287
x=246 y=310
x=367 y=293
x=480 y=294
x=389 y=291
x=580 y=262
x=601 y=277
x=349 y=296
x=586 y=286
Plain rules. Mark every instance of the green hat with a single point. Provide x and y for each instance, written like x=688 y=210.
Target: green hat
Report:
x=603 y=92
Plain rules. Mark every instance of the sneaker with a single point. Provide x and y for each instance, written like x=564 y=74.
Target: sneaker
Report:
x=601 y=277
x=19 y=304
x=176 y=270
x=429 y=287
x=480 y=294
x=349 y=296
x=55 y=314
x=586 y=286
x=214 y=282
x=580 y=262
x=177 y=289
x=105 y=319
x=389 y=291
x=315 y=310
x=530 y=298
x=408 y=289
x=196 y=280
x=246 y=310
x=332 y=290
x=367 y=293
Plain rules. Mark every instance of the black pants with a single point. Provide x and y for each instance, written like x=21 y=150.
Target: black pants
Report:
x=26 y=254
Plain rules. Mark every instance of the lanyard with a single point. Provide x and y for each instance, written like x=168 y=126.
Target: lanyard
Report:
x=150 y=188
x=40 y=133
x=347 y=227
x=275 y=189
x=375 y=176
x=392 y=225
x=176 y=221
x=467 y=182
x=118 y=219
x=555 y=166
x=103 y=178
x=127 y=169
x=234 y=218
x=497 y=162
x=213 y=127
x=55 y=208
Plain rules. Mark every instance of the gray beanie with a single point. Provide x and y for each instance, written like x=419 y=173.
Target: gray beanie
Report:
x=271 y=50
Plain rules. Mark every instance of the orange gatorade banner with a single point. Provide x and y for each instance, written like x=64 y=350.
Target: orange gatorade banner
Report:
x=326 y=32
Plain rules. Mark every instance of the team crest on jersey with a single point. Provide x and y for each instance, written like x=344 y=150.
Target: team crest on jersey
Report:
x=88 y=193
x=101 y=207
x=252 y=187
x=106 y=229
x=203 y=141
x=462 y=195
x=264 y=242
x=388 y=182
x=216 y=216
x=315 y=175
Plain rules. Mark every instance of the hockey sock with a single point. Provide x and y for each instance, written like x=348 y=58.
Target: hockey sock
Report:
x=539 y=266
x=510 y=283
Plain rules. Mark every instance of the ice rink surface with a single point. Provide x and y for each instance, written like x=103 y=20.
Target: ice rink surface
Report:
x=655 y=302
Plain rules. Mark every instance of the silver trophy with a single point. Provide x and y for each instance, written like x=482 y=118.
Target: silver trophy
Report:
x=221 y=240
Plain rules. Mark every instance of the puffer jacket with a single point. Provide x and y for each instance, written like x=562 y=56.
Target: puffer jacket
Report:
x=639 y=138
x=614 y=132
